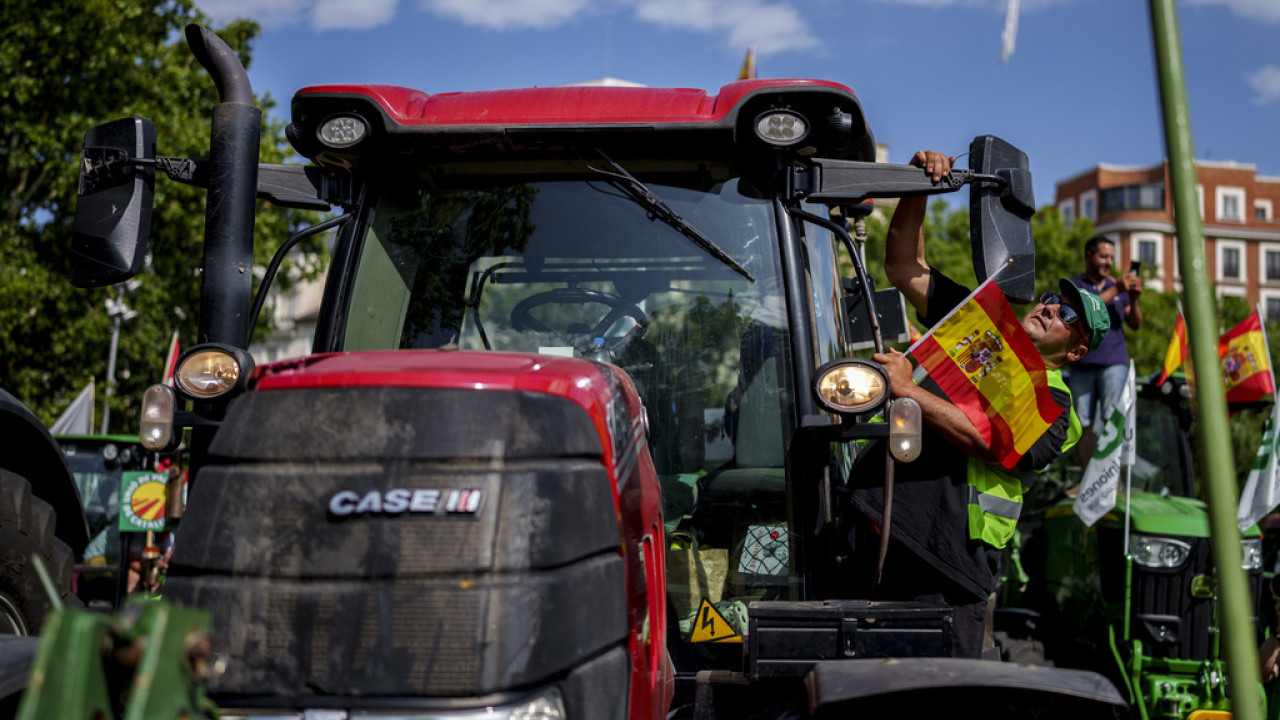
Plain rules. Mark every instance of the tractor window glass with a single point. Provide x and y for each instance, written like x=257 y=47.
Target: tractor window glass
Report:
x=573 y=267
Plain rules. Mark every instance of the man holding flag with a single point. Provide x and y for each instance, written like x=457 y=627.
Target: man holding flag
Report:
x=956 y=507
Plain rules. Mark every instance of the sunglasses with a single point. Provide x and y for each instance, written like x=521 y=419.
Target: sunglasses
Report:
x=1066 y=312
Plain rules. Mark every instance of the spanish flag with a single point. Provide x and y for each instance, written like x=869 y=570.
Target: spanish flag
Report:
x=1177 y=352
x=748 y=71
x=1246 y=364
x=988 y=367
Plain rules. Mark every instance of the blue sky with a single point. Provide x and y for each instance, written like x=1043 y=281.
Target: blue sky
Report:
x=1079 y=88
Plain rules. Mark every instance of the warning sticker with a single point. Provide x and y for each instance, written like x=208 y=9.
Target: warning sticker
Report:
x=766 y=551
x=142 y=501
x=710 y=626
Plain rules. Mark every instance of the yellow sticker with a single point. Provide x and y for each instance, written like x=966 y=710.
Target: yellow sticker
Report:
x=710 y=626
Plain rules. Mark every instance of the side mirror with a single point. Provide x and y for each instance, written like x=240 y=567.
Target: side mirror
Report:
x=1000 y=218
x=113 y=212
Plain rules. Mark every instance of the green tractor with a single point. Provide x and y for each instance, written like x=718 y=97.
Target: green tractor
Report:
x=1135 y=595
x=127 y=540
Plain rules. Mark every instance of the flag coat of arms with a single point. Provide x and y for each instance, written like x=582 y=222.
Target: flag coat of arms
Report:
x=987 y=366
x=1246 y=364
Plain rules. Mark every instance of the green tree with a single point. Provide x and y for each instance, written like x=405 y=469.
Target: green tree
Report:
x=69 y=65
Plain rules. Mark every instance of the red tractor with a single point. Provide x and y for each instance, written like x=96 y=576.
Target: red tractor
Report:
x=576 y=431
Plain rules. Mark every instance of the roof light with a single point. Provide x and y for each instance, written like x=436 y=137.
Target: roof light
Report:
x=341 y=131
x=781 y=127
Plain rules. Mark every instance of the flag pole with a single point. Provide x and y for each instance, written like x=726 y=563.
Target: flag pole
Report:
x=1214 y=435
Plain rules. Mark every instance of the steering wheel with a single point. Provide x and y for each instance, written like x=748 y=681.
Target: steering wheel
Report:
x=521 y=319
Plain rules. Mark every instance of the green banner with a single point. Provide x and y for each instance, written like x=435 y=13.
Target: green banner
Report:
x=142 y=501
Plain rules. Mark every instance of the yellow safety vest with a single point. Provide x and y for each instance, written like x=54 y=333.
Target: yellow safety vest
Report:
x=995 y=496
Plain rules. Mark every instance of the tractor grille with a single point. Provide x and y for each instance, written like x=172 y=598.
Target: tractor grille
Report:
x=1167 y=618
x=511 y=589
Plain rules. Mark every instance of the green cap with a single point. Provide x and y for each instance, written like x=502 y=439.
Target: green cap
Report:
x=1097 y=322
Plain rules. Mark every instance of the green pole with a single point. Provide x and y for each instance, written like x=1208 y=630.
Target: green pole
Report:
x=1202 y=327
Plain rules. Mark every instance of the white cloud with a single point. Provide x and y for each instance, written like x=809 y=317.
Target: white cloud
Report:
x=347 y=15
x=993 y=5
x=508 y=14
x=318 y=14
x=1264 y=10
x=771 y=28
x=1266 y=83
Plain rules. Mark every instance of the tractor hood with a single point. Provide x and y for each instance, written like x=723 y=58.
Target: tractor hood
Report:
x=1167 y=515
x=579 y=381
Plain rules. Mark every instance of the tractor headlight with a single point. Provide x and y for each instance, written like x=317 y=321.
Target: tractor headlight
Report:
x=1158 y=552
x=546 y=705
x=342 y=131
x=1251 y=549
x=155 y=431
x=210 y=371
x=851 y=386
x=781 y=127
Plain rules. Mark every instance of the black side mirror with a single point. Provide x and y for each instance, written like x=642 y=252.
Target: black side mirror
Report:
x=1000 y=218
x=113 y=213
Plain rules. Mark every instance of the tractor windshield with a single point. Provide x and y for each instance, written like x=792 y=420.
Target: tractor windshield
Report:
x=575 y=267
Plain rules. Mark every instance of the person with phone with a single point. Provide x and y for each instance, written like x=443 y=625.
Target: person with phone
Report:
x=1097 y=380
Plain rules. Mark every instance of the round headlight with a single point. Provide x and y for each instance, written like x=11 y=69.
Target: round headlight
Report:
x=851 y=386
x=781 y=127
x=212 y=370
x=341 y=131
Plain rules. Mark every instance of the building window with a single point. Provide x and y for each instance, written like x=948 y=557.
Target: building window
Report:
x=1148 y=247
x=1068 y=210
x=1230 y=202
x=1089 y=205
x=1149 y=196
x=1148 y=250
x=1230 y=260
x=1271 y=264
x=1271 y=306
x=1262 y=210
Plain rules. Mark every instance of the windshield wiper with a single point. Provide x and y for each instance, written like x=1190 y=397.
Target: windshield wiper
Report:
x=641 y=195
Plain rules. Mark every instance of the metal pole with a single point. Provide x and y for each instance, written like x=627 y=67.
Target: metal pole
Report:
x=1215 y=439
x=117 y=319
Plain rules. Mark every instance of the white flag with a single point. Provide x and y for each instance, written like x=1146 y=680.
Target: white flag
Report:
x=1262 y=489
x=1102 y=477
x=77 y=419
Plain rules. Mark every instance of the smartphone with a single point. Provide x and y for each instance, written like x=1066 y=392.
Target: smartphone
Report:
x=1135 y=266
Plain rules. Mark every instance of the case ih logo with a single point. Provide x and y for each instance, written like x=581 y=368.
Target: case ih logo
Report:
x=400 y=500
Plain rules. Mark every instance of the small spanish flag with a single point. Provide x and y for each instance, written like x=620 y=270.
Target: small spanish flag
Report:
x=1177 y=352
x=988 y=367
x=748 y=71
x=1246 y=364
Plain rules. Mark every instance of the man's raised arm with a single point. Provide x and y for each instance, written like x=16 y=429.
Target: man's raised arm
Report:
x=904 y=262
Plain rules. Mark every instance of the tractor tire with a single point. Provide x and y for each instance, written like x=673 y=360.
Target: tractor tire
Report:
x=1022 y=651
x=26 y=529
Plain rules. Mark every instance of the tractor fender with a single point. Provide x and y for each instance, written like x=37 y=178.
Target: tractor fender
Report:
x=37 y=457
x=957 y=687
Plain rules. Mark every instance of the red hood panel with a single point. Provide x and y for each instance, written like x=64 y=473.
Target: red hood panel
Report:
x=578 y=380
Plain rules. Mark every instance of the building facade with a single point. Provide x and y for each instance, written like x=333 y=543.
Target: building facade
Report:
x=1132 y=206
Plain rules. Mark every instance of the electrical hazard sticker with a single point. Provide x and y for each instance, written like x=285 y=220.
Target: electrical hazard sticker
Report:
x=142 y=501
x=710 y=626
